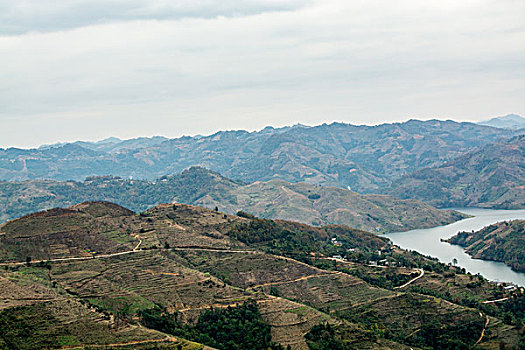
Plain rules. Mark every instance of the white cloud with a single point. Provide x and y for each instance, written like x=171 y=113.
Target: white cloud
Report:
x=22 y=16
x=141 y=72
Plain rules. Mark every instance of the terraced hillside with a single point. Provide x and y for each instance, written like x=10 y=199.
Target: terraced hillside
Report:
x=274 y=199
x=157 y=274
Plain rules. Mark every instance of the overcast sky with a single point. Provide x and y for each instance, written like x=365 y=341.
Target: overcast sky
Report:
x=89 y=69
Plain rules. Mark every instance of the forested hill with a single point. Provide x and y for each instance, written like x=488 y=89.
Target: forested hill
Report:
x=274 y=199
x=364 y=158
x=504 y=241
x=490 y=177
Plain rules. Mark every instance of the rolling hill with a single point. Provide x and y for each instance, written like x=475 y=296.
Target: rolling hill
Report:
x=319 y=205
x=97 y=275
x=275 y=199
x=490 y=177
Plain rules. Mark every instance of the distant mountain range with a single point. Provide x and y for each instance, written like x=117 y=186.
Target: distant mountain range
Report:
x=363 y=158
x=510 y=121
x=492 y=177
x=276 y=199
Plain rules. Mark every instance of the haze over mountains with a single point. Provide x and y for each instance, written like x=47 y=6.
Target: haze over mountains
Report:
x=509 y=121
x=299 y=212
x=364 y=158
x=112 y=144
x=426 y=160
x=96 y=273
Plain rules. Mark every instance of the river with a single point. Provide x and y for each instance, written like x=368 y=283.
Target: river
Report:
x=428 y=242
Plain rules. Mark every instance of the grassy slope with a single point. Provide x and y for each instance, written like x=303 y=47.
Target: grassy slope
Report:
x=316 y=205
x=39 y=312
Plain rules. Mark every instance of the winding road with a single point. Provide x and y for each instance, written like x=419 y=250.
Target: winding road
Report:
x=487 y=320
x=421 y=274
x=495 y=301
x=135 y=250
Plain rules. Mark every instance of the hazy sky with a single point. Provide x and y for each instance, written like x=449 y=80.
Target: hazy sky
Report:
x=89 y=69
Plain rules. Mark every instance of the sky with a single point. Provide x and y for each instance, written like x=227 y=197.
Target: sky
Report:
x=90 y=69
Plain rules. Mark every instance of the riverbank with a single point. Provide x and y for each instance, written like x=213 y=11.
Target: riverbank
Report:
x=429 y=242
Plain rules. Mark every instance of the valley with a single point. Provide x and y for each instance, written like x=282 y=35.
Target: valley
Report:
x=262 y=175
x=258 y=240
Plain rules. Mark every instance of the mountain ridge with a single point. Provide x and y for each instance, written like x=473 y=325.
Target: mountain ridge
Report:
x=276 y=199
x=364 y=158
x=503 y=241
x=491 y=177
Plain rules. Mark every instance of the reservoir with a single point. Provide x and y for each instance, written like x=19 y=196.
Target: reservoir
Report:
x=428 y=242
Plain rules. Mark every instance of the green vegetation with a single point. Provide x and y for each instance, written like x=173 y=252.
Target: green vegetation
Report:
x=434 y=330
x=324 y=337
x=18 y=327
x=298 y=240
x=42 y=326
x=435 y=335
x=232 y=328
x=384 y=278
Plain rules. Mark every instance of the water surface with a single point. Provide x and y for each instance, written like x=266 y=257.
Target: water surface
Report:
x=427 y=241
